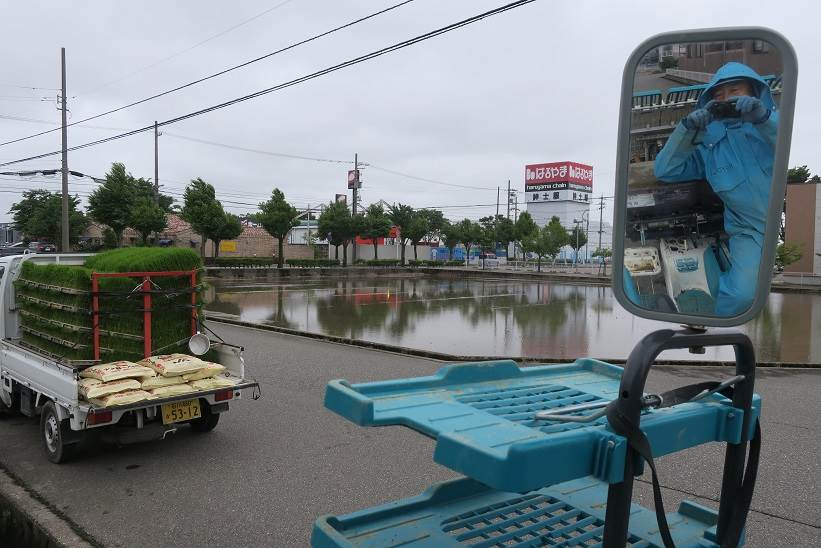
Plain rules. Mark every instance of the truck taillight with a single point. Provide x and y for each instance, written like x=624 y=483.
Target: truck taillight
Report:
x=99 y=418
x=223 y=395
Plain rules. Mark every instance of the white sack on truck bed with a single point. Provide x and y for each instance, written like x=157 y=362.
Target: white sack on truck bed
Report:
x=116 y=370
x=151 y=383
x=95 y=388
x=173 y=365
x=173 y=390
x=121 y=398
x=212 y=383
x=210 y=370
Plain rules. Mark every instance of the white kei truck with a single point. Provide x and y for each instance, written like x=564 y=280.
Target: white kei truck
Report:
x=34 y=383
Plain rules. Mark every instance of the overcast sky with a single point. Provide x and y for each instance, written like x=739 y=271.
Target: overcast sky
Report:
x=536 y=84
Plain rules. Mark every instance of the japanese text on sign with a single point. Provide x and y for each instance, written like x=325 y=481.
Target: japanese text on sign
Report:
x=559 y=172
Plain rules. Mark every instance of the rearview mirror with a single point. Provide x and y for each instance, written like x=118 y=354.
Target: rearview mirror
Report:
x=704 y=136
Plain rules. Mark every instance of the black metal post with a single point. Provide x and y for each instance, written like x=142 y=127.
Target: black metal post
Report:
x=631 y=390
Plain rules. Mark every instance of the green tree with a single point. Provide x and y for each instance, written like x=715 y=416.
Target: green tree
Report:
x=336 y=224
x=39 y=216
x=146 y=217
x=505 y=231
x=230 y=229
x=451 y=237
x=416 y=231
x=436 y=223
x=470 y=233
x=202 y=210
x=144 y=187
x=524 y=228
x=787 y=254
x=111 y=203
x=577 y=240
x=278 y=217
x=376 y=224
x=546 y=242
x=668 y=62
x=798 y=175
x=402 y=216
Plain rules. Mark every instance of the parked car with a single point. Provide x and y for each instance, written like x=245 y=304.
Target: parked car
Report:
x=42 y=247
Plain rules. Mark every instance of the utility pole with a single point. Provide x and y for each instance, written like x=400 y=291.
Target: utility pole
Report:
x=508 y=199
x=64 y=244
x=355 y=195
x=308 y=237
x=601 y=213
x=156 y=165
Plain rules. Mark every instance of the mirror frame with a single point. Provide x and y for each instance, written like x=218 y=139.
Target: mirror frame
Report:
x=785 y=120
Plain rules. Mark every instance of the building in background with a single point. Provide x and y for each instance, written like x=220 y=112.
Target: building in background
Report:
x=9 y=234
x=563 y=190
x=802 y=226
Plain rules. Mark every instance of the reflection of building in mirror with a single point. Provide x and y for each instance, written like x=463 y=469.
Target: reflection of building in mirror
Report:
x=714 y=139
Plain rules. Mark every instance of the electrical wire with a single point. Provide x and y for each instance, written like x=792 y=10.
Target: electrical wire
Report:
x=255 y=151
x=367 y=57
x=186 y=50
x=220 y=73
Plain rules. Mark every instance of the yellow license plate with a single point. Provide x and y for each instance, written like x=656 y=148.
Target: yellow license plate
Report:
x=179 y=411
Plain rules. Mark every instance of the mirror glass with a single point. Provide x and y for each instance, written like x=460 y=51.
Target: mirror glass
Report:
x=702 y=142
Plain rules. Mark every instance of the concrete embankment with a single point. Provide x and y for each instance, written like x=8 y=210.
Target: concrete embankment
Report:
x=267 y=274
x=262 y=275
x=27 y=521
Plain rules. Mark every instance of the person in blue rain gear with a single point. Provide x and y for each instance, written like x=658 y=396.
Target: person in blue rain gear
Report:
x=735 y=155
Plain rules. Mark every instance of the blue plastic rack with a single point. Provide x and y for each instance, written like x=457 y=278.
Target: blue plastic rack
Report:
x=463 y=512
x=482 y=418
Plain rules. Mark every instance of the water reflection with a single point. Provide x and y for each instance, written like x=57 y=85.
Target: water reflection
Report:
x=499 y=317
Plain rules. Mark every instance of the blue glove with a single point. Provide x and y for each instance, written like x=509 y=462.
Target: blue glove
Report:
x=699 y=118
x=751 y=109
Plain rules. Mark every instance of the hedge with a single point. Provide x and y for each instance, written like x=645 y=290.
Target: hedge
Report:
x=309 y=263
x=382 y=262
x=244 y=261
x=414 y=262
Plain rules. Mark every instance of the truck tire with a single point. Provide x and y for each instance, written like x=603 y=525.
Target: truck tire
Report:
x=208 y=421
x=51 y=432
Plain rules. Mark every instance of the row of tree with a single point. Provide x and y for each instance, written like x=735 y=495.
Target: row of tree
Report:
x=413 y=226
x=124 y=201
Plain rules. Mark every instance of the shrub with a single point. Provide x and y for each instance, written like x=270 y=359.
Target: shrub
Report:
x=311 y=263
x=382 y=262
x=244 y=261
x=414 y=262
x=454 y=263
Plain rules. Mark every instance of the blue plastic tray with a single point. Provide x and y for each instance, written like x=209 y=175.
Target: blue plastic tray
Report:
x=481 y=415
x=463 y=512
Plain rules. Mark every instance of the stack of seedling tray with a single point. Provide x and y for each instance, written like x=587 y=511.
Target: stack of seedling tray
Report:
x=55 y=304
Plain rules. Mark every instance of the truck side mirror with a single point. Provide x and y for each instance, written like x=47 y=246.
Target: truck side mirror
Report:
x=704 y=136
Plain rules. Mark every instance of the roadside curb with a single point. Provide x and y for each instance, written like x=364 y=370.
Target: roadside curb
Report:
x=26 y=521
x=233 y=320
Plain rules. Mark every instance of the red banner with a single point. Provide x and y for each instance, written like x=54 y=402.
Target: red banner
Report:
x=559 y=172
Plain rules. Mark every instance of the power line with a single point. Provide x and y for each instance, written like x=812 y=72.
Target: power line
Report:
x=367 y=57
x=220 y=73
x=428 y=180
x=256 y=151
x=186 y=50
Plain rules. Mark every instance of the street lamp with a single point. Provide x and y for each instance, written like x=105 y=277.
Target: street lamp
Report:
x=585 y=219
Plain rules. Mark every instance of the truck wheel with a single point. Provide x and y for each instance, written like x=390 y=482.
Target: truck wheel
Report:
x=51 y=431
x=207 y=422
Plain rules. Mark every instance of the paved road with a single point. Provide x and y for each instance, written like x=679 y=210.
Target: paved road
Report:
x=273 y=465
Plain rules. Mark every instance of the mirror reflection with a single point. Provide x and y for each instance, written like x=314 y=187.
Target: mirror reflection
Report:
x=702 y=145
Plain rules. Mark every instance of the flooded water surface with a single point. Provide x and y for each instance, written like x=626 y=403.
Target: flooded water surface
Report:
x=499 y=317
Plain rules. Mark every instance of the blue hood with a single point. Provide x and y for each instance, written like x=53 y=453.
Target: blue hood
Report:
x=734 y=70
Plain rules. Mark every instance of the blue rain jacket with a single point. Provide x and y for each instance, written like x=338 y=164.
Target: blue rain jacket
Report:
x=736 y=158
